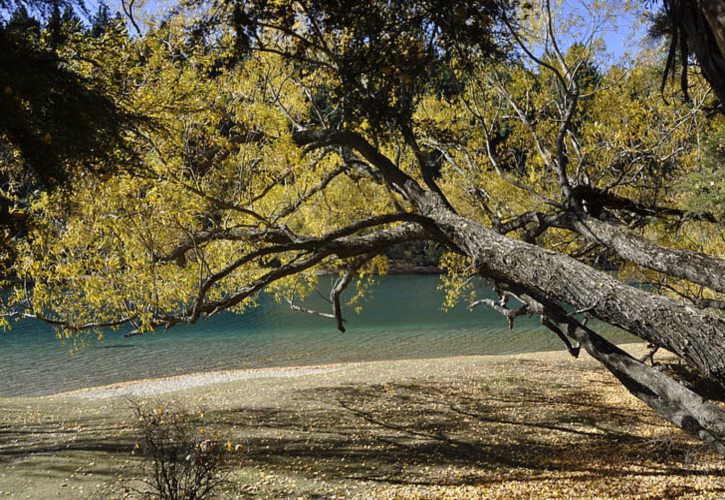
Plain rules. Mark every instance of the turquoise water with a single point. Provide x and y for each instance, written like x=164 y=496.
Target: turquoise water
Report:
x=401 y=319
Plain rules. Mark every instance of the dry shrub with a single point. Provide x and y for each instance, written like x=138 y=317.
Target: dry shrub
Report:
x=182 y=460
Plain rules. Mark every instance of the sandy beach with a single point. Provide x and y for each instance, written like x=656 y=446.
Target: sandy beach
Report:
x=536 y=425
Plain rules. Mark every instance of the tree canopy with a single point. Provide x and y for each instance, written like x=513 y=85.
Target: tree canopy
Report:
x=273 y=141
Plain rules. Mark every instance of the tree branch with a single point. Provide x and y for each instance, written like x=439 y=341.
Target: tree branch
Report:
x=693 y=266
x=401 y=182
x=343 y=247
x=668 y=398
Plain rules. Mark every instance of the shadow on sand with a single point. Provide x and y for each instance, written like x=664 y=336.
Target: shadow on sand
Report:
x=475 y=431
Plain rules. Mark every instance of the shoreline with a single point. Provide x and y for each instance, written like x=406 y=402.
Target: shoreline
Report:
x=156 y=386
x=174 y=383
x=202 y=377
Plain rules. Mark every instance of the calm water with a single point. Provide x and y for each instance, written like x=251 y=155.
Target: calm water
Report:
x=401 y=319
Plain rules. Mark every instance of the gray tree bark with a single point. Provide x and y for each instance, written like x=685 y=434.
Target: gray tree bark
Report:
x=694 y=335
x=665 y=396
x=693 y=266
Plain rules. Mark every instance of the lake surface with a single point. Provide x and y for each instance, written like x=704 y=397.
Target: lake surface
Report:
x=401 y=319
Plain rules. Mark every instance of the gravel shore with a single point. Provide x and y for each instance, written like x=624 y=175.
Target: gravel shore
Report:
x=156 y=386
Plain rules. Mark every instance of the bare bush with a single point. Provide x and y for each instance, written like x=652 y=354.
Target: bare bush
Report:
x=183 y=460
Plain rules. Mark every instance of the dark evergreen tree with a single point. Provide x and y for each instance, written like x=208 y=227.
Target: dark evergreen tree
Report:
x=101 y=20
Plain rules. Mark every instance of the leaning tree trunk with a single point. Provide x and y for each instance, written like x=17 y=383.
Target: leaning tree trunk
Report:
x=551 y=278
x=665 y=396
x=692 y=334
